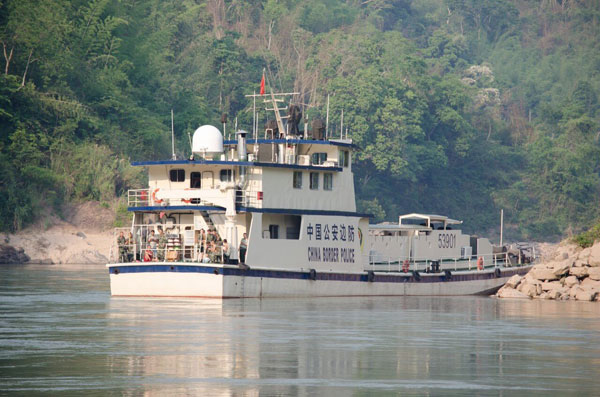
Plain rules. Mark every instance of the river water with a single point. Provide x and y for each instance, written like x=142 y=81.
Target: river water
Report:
x=62 y=333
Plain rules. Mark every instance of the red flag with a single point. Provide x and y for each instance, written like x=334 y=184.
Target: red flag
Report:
x=262 y=85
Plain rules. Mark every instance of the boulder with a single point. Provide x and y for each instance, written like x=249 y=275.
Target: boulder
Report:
x=561 y=268
x=543 y=274
x=529 y=289
x=594 y=258
x=513 y=281
x=12 y=255
x=590 y=284
x=573 y=291
x=580 y=263
x=551 y=285
x=594 y=273
x=554 y=294
x=511 y=293
x=579 y=271
x=571 y=281
x=585 y=295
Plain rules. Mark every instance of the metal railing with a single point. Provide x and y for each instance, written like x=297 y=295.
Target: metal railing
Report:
x=138 y=198
x=248 y=198
x=375 y=261
x=143 y=198
x=140 y=246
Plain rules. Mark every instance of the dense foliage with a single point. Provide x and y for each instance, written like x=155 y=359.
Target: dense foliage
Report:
x=460 y=107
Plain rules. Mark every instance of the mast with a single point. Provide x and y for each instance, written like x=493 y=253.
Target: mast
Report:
x=173 y=137
x=327 y=118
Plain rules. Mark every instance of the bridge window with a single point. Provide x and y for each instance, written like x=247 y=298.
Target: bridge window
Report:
x=328 y=181
x=226 y=175
x=319 y=158
x=195 y=180
x=274 y=231
x=344 y=158
x=297 y=180
x=314 y=180
x=177 y=175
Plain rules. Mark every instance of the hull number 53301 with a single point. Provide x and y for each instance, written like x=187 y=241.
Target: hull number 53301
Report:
x=446 y=240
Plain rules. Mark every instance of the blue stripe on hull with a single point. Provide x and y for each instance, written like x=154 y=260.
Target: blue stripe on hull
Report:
x=382 y=278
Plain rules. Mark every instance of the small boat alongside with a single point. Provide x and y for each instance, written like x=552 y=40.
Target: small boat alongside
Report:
x=273 y=214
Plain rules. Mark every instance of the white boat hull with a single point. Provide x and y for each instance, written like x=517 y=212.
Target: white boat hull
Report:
x=222 y=281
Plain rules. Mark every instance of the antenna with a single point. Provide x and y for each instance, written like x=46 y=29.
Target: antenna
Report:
x=501 y=225
x=191 y=147
x=327 y=118
x=224 y=122
x=173 y=136
x=342 y=125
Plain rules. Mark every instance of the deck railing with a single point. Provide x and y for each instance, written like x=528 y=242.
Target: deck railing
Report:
x=143 y=198
x=140 y=247
x=378 y=262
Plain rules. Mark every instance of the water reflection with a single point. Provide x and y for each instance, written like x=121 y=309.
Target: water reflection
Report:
x=60 y=331
x=412 y=344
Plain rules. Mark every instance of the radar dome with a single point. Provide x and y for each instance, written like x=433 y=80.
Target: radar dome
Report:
x=207 y=140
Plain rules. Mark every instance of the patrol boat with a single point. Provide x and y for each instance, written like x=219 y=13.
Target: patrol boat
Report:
x=273 y=214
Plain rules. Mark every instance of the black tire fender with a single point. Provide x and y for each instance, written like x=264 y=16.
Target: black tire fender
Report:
x=448 y=274
x=416 y=275
x=370 y=276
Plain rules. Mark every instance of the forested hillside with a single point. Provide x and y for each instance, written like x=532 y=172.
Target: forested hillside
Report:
x=459 y=107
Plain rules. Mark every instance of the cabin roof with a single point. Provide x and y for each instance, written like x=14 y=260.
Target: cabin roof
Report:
x=334 y=142
x=395 y=226
x=430 y=218
x=237 y=163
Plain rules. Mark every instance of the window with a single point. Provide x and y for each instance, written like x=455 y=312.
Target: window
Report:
x=344 y=158
x=314 y=180
x=319 y=158
x=274 y=231
x=297 y=180
x=177 y=175
x=226 y=175
x=328 y=181
x=195 y=180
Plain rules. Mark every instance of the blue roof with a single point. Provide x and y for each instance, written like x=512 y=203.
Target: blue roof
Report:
x=239 y=208
x=238 y=163
x=293 y=141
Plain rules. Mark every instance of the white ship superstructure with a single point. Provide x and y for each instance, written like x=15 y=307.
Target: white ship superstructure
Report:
x=292 y=196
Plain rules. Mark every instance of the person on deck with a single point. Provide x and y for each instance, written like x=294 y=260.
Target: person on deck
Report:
x=122 y=243
x=153 y=241
x=225 y=251
x=243 y=248
x=162 y=244
x=201 y=244
x=148 y=255
x=130 y=247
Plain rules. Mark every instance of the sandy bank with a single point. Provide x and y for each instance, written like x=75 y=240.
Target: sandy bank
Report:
x=85 y=236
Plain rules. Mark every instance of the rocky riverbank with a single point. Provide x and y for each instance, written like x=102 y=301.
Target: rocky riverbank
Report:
x=570 y=273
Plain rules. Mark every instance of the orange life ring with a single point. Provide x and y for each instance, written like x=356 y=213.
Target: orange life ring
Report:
x=480 y=263
x=157 y=201
x=405 y=266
